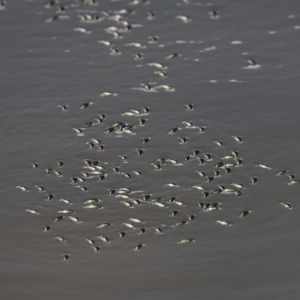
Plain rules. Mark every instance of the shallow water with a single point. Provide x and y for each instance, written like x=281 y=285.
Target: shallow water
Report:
x=49 y=64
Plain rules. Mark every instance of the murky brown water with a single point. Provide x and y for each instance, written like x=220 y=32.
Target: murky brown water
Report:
x=46 y=64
